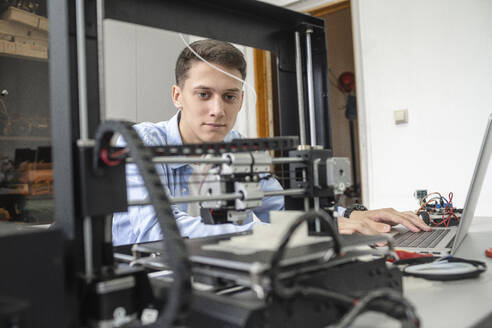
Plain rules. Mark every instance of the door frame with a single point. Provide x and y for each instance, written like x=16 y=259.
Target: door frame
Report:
x=263 y=111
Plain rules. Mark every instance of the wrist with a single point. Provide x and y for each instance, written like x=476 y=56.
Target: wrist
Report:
x=354 y=208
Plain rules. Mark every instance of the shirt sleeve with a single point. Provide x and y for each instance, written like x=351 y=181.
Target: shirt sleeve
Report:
x=271 y=203
x=341 y=210
x=142 y=224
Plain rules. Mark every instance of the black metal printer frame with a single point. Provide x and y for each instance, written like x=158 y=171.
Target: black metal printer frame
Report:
x=77 y=91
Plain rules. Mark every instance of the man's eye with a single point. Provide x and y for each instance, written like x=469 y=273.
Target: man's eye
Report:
x=203 y=95
x=230 y=97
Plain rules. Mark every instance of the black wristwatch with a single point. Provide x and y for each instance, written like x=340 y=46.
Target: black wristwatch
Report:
x=354 y=207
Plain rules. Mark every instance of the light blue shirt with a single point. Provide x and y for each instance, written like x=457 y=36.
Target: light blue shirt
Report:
x=140 y=224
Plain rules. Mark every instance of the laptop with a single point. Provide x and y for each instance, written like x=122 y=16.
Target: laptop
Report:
x=444 y=241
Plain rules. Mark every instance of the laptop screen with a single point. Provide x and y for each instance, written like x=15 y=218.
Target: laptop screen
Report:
x=475 y=186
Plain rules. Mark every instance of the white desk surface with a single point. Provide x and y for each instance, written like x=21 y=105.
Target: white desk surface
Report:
x=461 y=303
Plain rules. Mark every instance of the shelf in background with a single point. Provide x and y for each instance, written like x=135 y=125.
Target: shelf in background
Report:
x=2 y=54
x=24 y=138
x=5 y=192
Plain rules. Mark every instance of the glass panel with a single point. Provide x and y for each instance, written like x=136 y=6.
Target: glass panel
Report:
x=26 y=176
x=139 y=77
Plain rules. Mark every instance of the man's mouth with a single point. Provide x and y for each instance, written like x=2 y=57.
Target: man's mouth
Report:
x=215 y=125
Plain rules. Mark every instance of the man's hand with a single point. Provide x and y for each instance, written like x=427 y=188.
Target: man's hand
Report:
x=380 y=221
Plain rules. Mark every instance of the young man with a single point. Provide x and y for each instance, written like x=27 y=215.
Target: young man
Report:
x=208 y=102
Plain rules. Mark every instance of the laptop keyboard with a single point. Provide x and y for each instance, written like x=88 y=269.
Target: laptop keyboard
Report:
x=423 y=239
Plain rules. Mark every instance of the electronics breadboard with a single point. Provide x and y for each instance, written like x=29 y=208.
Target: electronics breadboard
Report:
x=437 y=210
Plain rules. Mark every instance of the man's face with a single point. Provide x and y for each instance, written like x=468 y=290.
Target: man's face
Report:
x=209 y=102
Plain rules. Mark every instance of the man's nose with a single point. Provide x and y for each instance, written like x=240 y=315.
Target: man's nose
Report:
x=217 y=107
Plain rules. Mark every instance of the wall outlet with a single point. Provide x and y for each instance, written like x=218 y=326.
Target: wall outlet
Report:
x=401 y=116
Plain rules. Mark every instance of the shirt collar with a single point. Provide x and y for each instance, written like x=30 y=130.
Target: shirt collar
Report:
x=174 y=137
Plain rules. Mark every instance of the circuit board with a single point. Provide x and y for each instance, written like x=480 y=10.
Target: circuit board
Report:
x=437 y=210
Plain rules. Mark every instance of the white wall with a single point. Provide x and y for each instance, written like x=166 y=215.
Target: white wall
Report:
x=434 y=59
x=246 y=119
x=139 y=71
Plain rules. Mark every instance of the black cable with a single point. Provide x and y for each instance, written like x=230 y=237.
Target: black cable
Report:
x=386 y=293
x=277 y=288
x=361 y=305
x=178 y=300
x=446 y=274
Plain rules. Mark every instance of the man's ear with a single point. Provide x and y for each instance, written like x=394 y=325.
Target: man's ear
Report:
x=176 y=94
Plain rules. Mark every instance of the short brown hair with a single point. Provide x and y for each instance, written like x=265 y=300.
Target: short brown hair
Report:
x=214 y=51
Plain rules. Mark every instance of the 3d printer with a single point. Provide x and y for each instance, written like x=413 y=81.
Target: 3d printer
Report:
x=197 y=283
